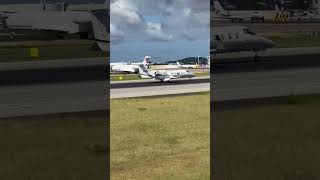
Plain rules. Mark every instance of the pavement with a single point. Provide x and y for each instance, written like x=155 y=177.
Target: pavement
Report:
x=273 y=27
x=245 y=63
x=262 y=84
x=51 y=64
x=159 y=90
x=53 y=71
x=229 y=81
x=40 y=99
x=270 y=53
x=151 y=82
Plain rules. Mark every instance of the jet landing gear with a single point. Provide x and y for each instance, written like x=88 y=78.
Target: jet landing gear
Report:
x=161 y=80
x=256 y=56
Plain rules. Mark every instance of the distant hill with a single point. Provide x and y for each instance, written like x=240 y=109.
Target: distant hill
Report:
x=191 y=60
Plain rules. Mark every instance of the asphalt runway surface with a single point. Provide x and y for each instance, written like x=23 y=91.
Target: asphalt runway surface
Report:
x=262 y=84
x=160 y=90
x=53 y=71
x=273 y=27
x=275 y=76
x=90 y=96
x=247 y=64
x=152 y=83
x=30 y=100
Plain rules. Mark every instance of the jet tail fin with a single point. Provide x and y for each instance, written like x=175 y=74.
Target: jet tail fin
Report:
x=101 y=35
x=107 y=4
x=316 y=5
x=217 y=7
x=43 y=4
x=276 y=7
x=143 y=71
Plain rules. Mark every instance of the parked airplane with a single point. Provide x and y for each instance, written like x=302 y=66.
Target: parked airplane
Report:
x=164 y=75
x=236 y=15
x=13 y=8
x=51 y=25
x=118 y=63
x=130 y=67
x=187 y=66
x=238 y=38
x=125 y=68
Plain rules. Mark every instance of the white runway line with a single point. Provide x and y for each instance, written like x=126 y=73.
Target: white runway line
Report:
x=158 y=90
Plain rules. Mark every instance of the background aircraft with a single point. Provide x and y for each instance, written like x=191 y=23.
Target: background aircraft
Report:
x=236 y=15
x=188 y=66
x=130 y=67
x=57 y=6
x=238 y=38
x=52 y=25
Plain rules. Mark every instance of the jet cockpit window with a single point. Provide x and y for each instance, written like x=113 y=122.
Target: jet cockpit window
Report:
x=248 y=31
x=222 y=37
x=237 y=35
x=217 y=38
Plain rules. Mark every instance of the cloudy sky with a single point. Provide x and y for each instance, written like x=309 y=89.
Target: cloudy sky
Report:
x=162 y=29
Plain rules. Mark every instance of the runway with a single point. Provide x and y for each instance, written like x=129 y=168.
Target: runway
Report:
x=284 y=75
x=151 y=82
x=53 y=98
x=271 y=60
x=273 y=27
x=288 y=52
x=159 y=90
x=90 y=96
x=37 y=99
x=53 y=71
x=261 y=84
x=53 y=64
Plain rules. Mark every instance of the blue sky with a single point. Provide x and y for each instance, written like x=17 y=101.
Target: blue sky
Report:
x=166 y=30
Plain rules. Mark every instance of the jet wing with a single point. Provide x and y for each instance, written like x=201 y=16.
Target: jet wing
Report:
x=173 y=77
x=166 y=79
x=162 y=77
x=238 y=16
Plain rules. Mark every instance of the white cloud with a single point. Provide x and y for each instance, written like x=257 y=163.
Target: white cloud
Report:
x=117 y=34
x=182 y=19
x=156 y=31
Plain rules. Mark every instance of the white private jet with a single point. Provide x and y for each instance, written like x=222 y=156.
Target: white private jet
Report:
x=164 y=75
x=236 y=15
x=228 y=39
x=52 y=25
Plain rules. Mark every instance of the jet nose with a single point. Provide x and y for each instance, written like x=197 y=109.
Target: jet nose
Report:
x=268 y=43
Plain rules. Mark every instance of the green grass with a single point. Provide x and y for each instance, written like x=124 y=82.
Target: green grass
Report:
x=124 y=77
x=10 y=52
x=290 y=40
x=160 y=138
x=279 y=141
x=51 y=147
x=199 y=74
